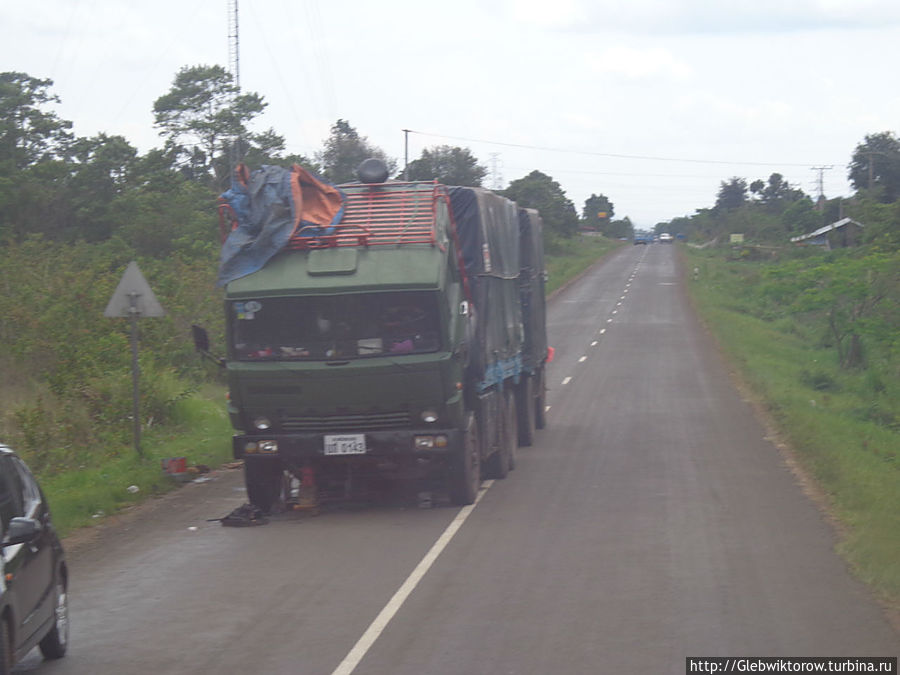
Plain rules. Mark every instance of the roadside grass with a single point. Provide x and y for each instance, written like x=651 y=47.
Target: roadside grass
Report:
x=843 y=426
x=565 y=259
x=200 y=432
x=199 y=429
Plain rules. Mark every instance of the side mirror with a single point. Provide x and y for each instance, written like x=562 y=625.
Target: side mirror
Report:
x=21 y=531
x=201 y=338
x=201 y=344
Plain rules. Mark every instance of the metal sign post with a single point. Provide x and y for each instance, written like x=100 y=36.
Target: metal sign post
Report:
x=133 y=298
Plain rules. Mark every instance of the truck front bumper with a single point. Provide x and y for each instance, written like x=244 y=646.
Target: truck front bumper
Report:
x=409 y=443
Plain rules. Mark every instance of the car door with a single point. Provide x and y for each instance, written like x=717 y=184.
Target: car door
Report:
x=28 y=567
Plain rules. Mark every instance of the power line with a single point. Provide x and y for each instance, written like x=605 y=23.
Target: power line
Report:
x=605 y=154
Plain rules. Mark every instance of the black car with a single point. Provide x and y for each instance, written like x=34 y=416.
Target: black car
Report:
x=33 y=573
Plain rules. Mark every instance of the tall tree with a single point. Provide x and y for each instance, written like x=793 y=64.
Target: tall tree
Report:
x=344 y=150
x=775 y=191
x=201 y=117
x=876 y=164
x=28 y=133
x=732 y=194
x=539 y=191
x=598 y=212
x=447 y=165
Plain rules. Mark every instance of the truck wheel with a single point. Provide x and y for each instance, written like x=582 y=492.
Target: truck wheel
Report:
x=54 y=644
x=512 y=430
x=6 y=648
x=540 y=401
x=465 y=467
x=263 y=481
x=500 y=463
x=525 y=406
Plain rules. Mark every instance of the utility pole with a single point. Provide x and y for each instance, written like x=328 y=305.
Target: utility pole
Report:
x=405 y=154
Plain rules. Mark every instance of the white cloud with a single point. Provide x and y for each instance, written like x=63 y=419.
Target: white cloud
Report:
x=633 y=64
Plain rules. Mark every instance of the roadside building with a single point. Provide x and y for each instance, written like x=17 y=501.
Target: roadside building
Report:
x=839 y=234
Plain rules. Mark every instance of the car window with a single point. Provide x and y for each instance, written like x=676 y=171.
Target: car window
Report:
x=11 y=504
x=31 y=493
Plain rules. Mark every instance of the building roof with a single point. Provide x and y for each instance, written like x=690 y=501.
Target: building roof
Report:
x=827 y=228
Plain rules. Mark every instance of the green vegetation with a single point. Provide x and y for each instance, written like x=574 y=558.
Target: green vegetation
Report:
x=788 y=322
x=566 y=258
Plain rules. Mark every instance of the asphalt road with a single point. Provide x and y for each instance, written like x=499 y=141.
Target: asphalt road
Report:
x=651 y=521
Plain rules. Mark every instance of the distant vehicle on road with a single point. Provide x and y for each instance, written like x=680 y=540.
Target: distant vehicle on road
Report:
x=642 y=238
x=665 y=238
x=34 y=580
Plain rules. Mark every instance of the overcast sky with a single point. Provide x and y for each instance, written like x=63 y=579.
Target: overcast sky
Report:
x=650 y=102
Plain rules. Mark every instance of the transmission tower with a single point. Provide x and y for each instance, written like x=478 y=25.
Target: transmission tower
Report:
x=496 y=182
x=234 y=66
x=820 y=183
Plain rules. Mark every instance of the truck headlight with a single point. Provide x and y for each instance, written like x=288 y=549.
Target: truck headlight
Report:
x=429 y=416
x=429 y=442
x=262 y=423
x=268 y=447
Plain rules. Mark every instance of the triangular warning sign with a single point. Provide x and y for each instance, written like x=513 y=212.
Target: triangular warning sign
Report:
x=133 y=291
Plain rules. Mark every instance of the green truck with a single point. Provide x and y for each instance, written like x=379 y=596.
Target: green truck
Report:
x=404 y=341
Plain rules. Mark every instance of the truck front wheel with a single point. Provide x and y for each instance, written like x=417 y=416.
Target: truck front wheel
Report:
x=465 y=466
x=263 y=479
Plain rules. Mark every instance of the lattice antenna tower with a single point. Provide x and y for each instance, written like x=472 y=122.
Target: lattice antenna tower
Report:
x=234 y=67
x=496 y=171
x=820 y=181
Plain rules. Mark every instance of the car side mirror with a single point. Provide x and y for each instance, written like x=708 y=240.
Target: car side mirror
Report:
x=21 y=531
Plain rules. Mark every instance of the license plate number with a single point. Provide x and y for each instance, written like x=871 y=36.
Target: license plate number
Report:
x=349 y=444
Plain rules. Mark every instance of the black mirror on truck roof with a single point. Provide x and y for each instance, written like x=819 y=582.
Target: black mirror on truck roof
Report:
x=372 y=170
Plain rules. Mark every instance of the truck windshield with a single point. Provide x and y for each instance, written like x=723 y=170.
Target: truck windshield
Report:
x=335 y=327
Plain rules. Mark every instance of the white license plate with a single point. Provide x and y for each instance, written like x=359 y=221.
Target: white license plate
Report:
x=349 y=444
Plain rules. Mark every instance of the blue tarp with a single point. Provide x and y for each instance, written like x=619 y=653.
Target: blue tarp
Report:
x=271 y=206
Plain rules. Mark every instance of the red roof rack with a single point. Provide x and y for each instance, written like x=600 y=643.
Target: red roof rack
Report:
x=381 y=214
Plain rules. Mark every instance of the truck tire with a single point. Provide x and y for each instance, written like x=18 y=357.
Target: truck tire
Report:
x=263 y=478
x=540 y=400
x=504 y=459
x=6 y=648
x=465 y=466
x=525 y=407
x=512 y=427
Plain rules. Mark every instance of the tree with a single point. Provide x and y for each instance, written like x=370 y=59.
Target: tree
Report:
x=801 y=217
x=876 y=164
x=28 y=134
x=344 y=150
x=101 y=172
x=776 y=191
x=621 y=229
x=732 y=194
x=539 y=191
x=598 y=212
x=447 y=165
x=202 y=116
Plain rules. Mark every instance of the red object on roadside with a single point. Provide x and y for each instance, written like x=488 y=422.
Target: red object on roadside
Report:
x=175 y=465
x=550 y=354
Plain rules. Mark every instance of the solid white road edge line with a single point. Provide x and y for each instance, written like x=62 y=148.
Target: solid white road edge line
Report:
x=362 y=646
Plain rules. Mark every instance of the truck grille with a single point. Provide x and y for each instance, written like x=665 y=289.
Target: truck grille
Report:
x=365 y=422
